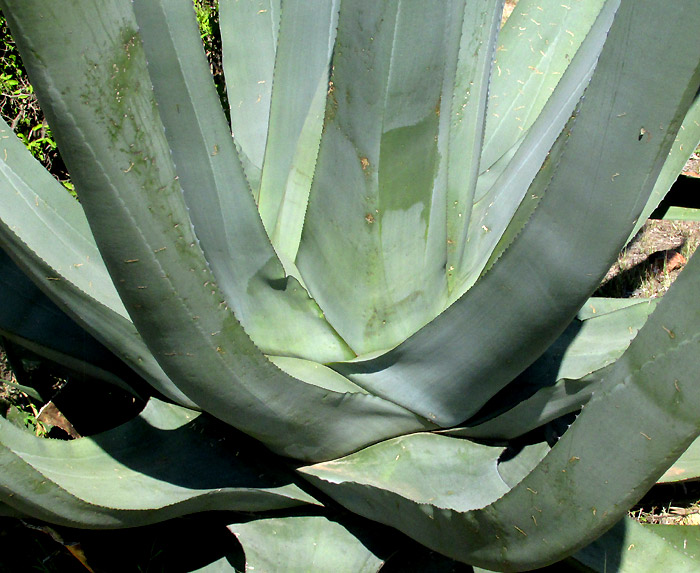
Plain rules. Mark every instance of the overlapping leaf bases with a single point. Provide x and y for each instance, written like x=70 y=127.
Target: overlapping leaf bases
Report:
x=401 y=237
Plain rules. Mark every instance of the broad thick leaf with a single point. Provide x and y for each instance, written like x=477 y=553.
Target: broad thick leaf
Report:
x=686 y=467
x=303 y=544
x=299 y=88
x=603 y=464
x=45 y=231
x=37 y=209
x=275 y=310
x=462 y=134
x=428 y=469
x=563 y=379
x=544 y=61
x=535 y=47
x=518 y=308
x=167 y=462
x=687 y=140
x=135 y=204
x=682 y=214
x=631 y=548
x=249 y=33
x=222 y=565
x=28 y=314
x=373 y=249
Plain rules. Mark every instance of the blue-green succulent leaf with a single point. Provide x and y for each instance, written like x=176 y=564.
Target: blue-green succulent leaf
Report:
x=142 y=226
x=167 y=462
x=687 y=140
x=630 y=547
x=524 y=302
x=249 y=33
x=303 y=544
x=564 y=378
x=45 y=232
x=604 y=463
x=299 y=88
x=275 y=309
x=687 y=467
x=373 y=247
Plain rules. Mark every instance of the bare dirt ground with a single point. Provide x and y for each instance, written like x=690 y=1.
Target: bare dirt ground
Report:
x=653 y=260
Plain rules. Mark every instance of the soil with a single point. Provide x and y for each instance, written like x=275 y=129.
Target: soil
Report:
x=652 y=260
x=692 y=168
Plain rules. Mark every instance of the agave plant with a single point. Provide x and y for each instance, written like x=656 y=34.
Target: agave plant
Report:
x=383 y=278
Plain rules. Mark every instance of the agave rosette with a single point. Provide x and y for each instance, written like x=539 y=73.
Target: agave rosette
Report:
x=392 y=256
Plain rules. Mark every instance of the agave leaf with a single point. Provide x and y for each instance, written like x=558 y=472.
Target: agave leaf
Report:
x=299 y=88
x=303 y=544
x=28 y=315
x=373 y=249
x=566 y=375
x=135 y=204
x=315 y=373
x=630 y=547
x=623 y=454
x=591 y=344
x=134 y=475
x=222 y=565
x=518 y=308
x=276 y=310
x=249 y=33
x=45 y=231
x=51 y=223
x=682 y=214
x=497 y=214
x=685 y=539
x=686 y=141
x=686 y=467
x=535 y=47
x=463 y=475
x=462 y=128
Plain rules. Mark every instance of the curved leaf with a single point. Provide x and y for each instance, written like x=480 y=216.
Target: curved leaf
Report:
x=275 y=310
x=373 y=248
x=564 y=378
x=302 y=70
x=502 y=188
x=28 y=314
x=45 y=232
x=518 y=308
x=303 y=544
x=686 y=141
x=630 y=548
x=135 y=204
x=629 y=433
x=167 y=462
x=463 y=475
x=535 y=47
x=687 y=467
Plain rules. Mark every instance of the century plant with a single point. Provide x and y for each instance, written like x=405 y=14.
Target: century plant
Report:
x=383 y=278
